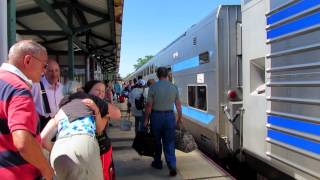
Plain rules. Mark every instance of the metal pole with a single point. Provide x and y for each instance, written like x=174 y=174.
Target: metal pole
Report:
x=70 y=47
x=11 y=26
x=70 y=58
x=3 y=32
x=88 y=69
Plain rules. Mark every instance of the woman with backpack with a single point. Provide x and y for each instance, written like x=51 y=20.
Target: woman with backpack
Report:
x=137 y=99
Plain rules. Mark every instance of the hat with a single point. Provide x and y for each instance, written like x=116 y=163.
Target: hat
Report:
x=141 y=82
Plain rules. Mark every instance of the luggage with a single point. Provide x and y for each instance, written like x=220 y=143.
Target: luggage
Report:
x=144 y=143
x=121 y=99
x=125 y=125
x=185 y=141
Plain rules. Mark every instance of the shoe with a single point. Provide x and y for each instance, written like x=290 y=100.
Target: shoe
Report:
x=156 y=165
x=173 y=172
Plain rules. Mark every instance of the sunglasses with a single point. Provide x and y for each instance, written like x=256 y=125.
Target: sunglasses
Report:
x=45 y=65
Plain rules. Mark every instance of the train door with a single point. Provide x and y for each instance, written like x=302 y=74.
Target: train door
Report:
x=229 y=78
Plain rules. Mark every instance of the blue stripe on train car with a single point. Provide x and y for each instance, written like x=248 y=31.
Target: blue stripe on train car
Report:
x=199 y=116
x=186 y=64
x=295 y=141
x=296 y=125
x=292 y=10
x=302 y=23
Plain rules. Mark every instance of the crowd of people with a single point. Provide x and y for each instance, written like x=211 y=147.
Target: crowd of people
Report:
x=48 y=129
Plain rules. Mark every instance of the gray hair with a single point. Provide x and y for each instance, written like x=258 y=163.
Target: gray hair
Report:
x=71 y=87
x=25 y=47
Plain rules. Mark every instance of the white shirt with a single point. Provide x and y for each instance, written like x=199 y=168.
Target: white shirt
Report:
x=13 y=69
x=54 y=95
x=136 y=94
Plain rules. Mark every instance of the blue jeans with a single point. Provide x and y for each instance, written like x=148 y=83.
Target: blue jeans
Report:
x=139 y=123
x=163 y=126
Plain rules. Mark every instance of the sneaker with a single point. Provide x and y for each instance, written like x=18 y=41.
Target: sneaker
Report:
x=173 y=172
x=156 y=165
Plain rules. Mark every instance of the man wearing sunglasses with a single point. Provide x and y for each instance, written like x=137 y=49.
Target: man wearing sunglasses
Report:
x=21 y=156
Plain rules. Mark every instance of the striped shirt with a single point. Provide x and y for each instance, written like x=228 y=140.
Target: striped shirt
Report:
x=17 y=112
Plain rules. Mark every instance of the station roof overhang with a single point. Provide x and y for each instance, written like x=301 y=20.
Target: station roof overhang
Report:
x=95 y=26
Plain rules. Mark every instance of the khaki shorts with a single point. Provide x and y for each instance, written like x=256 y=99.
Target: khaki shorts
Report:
x=76 y=158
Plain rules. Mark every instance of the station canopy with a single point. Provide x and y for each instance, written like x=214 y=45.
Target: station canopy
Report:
x=94 y=24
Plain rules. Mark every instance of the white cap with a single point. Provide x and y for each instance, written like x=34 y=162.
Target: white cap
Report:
x=141 y=82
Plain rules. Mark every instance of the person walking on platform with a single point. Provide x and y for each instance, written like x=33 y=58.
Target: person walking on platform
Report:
x=135 y=100
x=117 y=89
x=162 y=97
x=21 y=156
x=48 y=93
x=108 y=95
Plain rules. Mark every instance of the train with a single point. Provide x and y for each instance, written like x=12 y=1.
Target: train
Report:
x=249 y=83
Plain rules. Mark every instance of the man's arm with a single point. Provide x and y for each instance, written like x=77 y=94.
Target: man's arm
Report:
x=148 y=106
x=31 y=151
x=22 y=122
x=179 y=110
x=177 y=103
x=147 y=113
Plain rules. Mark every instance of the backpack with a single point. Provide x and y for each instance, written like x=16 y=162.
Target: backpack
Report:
x=139 y=102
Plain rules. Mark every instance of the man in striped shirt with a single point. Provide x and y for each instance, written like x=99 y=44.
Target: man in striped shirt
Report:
x=21 y=156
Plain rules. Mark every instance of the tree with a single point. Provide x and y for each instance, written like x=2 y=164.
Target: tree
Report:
x=142 y=61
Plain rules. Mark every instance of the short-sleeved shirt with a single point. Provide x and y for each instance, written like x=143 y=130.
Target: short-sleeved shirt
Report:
x=163 y=95
x=17 y=112
x=83 y=125
x=78 y=117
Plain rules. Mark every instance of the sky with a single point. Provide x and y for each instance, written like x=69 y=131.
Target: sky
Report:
x=150 y=25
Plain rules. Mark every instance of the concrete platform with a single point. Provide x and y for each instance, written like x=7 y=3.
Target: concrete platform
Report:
x=130 y=166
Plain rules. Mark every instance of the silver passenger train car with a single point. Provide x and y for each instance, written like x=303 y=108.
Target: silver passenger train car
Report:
x=249 y=82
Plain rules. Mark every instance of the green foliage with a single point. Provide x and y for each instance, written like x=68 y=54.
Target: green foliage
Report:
x=142 y=61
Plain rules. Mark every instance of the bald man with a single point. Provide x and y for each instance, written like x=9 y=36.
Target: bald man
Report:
x=48 y=97
x=21 y=156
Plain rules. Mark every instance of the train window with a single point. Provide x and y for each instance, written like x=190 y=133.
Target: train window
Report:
x=197 y=97
x=191 y=95
x=155 y=69
x=194 y=41
x=204 y=57
x=257 y=76
x=246 y=1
